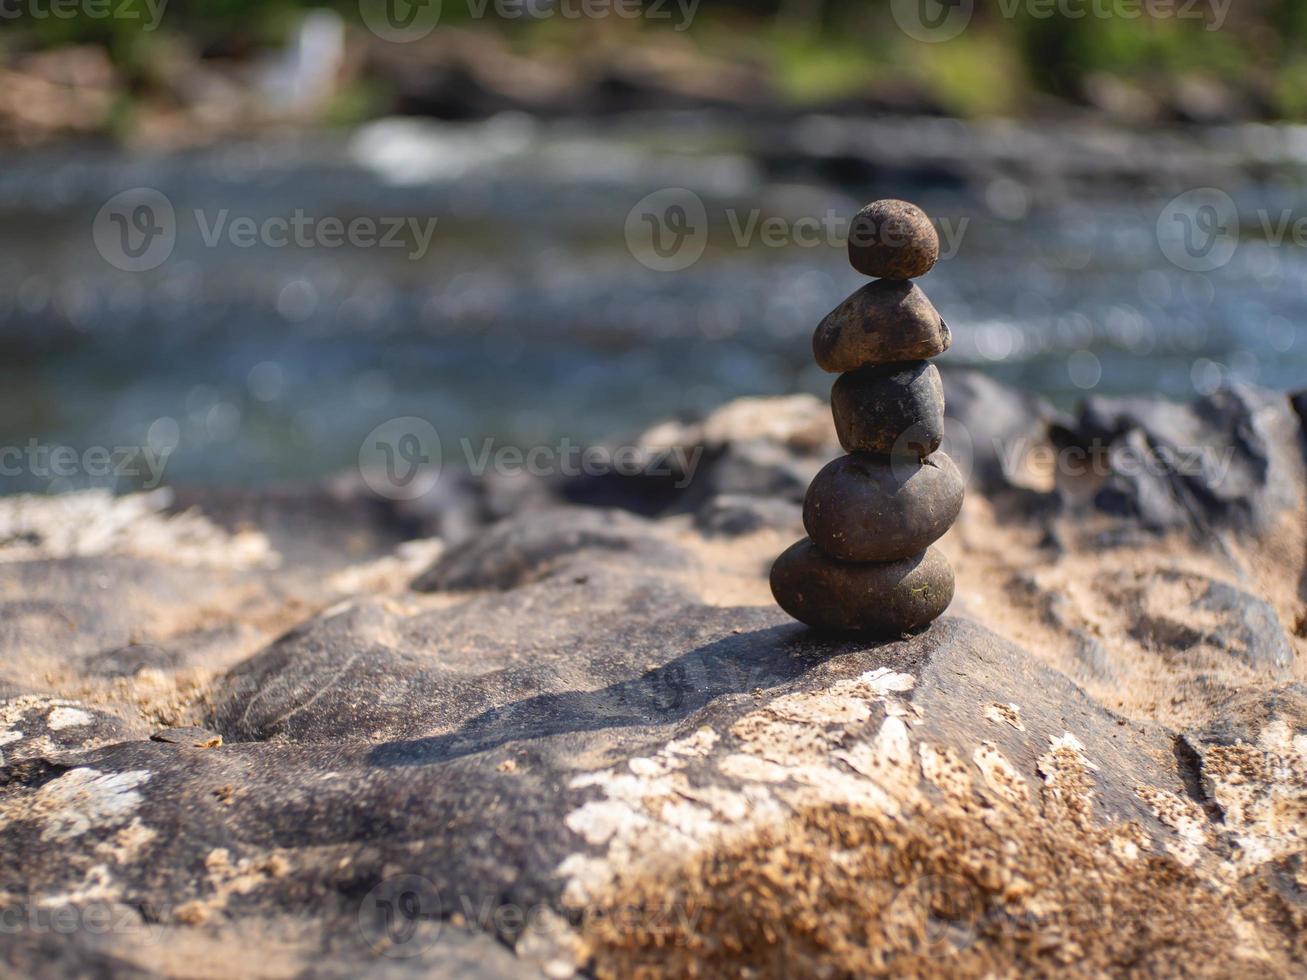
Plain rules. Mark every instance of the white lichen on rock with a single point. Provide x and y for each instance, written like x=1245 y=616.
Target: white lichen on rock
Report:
x=62 y=717
x=800 y=748
x=1005 y=714
x=95 y=522
x=1000 y=775
x=1183 y=816
x=1260 y=789
x=26 y=722
x=77 y=801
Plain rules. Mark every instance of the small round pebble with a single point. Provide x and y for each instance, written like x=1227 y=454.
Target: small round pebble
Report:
x=878 y=598
x=892 y=240
x=895 y=408
x=882 y=508
x=884 y=322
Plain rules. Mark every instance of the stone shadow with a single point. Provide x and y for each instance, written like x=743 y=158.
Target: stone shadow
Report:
x=736 y=664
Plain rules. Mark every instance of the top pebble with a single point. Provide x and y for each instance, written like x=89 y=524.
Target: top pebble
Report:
x=892 y=240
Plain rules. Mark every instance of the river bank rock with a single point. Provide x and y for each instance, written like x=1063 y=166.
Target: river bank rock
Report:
x=583 y=740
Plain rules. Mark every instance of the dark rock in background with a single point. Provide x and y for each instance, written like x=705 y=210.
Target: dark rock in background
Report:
x=1232 y=621
x=1229 y=460
x=522 y=549
x=990 y=424
x=732 y=514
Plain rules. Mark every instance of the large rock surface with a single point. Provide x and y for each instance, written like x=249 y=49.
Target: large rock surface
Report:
x=583 y=739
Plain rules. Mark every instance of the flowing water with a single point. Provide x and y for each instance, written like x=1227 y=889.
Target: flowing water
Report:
x=256 y=354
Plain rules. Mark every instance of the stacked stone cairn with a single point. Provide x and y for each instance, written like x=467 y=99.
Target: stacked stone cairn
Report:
x=867 y=565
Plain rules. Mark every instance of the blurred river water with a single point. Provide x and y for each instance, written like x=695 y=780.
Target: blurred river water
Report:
x=532 y=282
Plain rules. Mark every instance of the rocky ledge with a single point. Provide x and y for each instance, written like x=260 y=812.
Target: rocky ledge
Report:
x=560 y=728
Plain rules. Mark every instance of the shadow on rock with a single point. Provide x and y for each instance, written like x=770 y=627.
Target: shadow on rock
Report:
x=737 y=664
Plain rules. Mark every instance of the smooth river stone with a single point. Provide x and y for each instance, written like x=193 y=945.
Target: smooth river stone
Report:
x=892 y=240
x=894 y=408
x=881 y=598
x=884 y=322
x=881 y=508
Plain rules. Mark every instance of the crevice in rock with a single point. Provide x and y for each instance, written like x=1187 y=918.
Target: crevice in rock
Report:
x=1189 y=766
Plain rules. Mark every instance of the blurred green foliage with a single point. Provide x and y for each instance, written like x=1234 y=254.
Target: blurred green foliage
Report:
x=1013 y=54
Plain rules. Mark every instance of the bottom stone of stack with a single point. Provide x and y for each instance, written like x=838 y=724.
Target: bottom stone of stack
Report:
x=880 y=598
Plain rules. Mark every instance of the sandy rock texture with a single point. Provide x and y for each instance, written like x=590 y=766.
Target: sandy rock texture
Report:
x=560 y=729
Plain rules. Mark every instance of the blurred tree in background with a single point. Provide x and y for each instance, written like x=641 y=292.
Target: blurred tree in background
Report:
x=1141 y=60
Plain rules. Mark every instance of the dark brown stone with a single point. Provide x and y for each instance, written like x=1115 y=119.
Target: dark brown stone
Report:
x=882 y=598
x=884 y=322
x=892 y=240
x=895 y=408
x=881 y=508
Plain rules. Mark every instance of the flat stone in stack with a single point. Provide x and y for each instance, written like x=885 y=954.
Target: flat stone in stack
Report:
x=867 y=564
